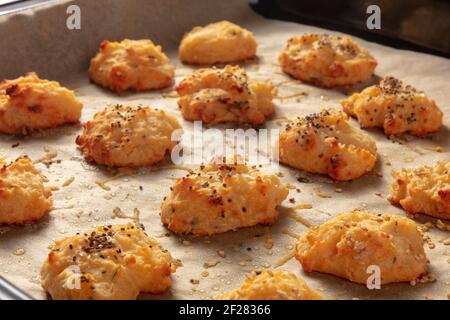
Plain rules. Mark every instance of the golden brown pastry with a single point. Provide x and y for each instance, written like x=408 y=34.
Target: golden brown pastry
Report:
x=272 y=285
x=109 y=263
x=128 y=136
x=131 y=64
x=348 y=244
x=219 y=197
x=220 y=42
x=326 y=143
x=225 y=95
x=23 y=196
x=326 y=60
x=30 y=103
x=395 y=107
x=423 y=190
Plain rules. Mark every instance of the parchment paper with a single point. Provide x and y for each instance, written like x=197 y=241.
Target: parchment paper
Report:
x=37 y=40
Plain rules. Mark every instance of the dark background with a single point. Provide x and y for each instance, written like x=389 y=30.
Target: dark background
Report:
x=419 y=25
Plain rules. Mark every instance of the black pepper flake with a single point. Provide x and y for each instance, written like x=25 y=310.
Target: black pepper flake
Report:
x=99 y=242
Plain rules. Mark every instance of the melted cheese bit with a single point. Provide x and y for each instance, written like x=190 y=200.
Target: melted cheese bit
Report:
x=294 y=215
x=68 y=182
x=285 y=259
x=290 y=96
x=281 y=120
x=70 y=206
x=268 y=237
x=123 y=172
x=102 y=184
x=136 y=217
x=291 y=234
x=321 y=193
x=303 y=206
x=171 y=94
x=290 y=186
x=438 y=149
x=48 y=156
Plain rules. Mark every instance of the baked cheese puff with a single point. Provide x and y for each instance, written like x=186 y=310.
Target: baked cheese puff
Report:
x=29 y=103
x=272 y=285
x=225 y=95
x=23 y=196
x=128 y=136
x=326 y=60
x=216 y=198
x=108 y=263
x=131 y=65
x=326 y=143
x=423 y=190
x=347 y=245
x=395 y=107
x=220 y=42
